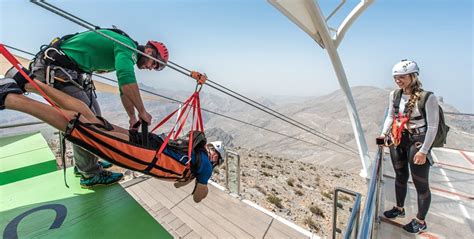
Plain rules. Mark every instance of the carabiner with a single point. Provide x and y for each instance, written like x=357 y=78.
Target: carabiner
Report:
x=198 y=87
x=46 y=56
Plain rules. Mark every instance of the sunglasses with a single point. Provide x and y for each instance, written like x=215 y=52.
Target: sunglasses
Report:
x=158 y=65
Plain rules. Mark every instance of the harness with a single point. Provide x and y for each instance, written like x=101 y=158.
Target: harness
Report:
x=400 y=120
x=61 y=70
x=123 y=153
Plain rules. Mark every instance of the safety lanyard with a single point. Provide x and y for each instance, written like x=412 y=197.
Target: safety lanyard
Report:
x=191 y=104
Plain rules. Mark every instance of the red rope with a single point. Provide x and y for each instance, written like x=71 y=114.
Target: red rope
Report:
x=190 y=143
x=191 y=103
x=19 y=67
x=201 y=125
x=170 y=115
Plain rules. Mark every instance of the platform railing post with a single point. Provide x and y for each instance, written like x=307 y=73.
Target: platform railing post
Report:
x=232 y=182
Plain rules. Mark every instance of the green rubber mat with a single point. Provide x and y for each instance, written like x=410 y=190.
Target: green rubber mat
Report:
x=24 y=156
x=43 y=207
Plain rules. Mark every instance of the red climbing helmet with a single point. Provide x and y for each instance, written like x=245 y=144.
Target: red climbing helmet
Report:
x=162 y=53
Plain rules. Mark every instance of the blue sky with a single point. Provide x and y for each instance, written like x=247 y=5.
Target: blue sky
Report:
x=248 y=46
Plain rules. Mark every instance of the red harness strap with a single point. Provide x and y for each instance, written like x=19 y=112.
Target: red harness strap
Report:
x=398 y=125
x=191 y=104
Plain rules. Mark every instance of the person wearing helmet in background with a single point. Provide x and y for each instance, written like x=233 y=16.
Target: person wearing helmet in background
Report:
x=67 y=64
x=411 y=137
x=216 y=153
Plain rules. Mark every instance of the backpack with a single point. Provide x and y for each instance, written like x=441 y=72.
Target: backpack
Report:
x=443 y=129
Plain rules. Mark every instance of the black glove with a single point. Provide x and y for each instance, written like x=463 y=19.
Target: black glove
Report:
x=18 y=77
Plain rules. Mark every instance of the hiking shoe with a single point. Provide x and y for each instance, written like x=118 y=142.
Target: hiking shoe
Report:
x=415 y=227
x=76 y=172
x=104 y=163
x=7 y=86
x=103 y=178
x=394 y=212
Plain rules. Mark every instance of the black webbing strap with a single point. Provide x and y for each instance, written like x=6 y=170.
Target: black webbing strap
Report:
x=397 y=97
x=62 y=142
x=62 y=146
x=144 y=133
x=144 y=125
x=422 y=102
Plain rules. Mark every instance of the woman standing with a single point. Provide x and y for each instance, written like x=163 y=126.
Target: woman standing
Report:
x=412 y=134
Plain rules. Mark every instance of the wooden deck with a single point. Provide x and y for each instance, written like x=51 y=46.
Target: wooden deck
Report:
x=218 y=216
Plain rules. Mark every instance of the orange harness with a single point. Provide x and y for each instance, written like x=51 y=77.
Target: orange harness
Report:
x=398 y=125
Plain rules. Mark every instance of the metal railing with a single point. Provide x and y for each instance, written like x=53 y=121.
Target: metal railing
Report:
x=20 y=125
x=371 y=210
x=458 y=113
x=353 y=220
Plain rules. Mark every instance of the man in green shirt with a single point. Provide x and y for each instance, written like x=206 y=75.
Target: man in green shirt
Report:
x=67 y=64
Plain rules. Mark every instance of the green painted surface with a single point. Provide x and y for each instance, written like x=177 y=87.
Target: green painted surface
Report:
x=106 y=212
x=26 y=172
x=24 y=156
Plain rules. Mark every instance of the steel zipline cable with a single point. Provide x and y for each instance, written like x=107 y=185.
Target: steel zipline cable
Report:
x=203 y=109
x=186 y=72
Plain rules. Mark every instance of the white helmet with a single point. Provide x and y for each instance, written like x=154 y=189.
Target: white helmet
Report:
x=405 y=67
x=219 y=146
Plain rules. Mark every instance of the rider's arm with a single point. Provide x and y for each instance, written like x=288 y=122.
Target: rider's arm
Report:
x=203 y=175
x=181 y=184
x=200 y=192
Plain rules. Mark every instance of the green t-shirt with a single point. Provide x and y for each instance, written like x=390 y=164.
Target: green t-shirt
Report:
x=95 y=53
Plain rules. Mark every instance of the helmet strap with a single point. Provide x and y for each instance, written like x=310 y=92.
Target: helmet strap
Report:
x=141 y=59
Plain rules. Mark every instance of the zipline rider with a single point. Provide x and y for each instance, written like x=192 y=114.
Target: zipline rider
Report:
x=67 y=64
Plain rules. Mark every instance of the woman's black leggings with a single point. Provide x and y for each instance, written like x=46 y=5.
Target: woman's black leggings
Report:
x=402 y=156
